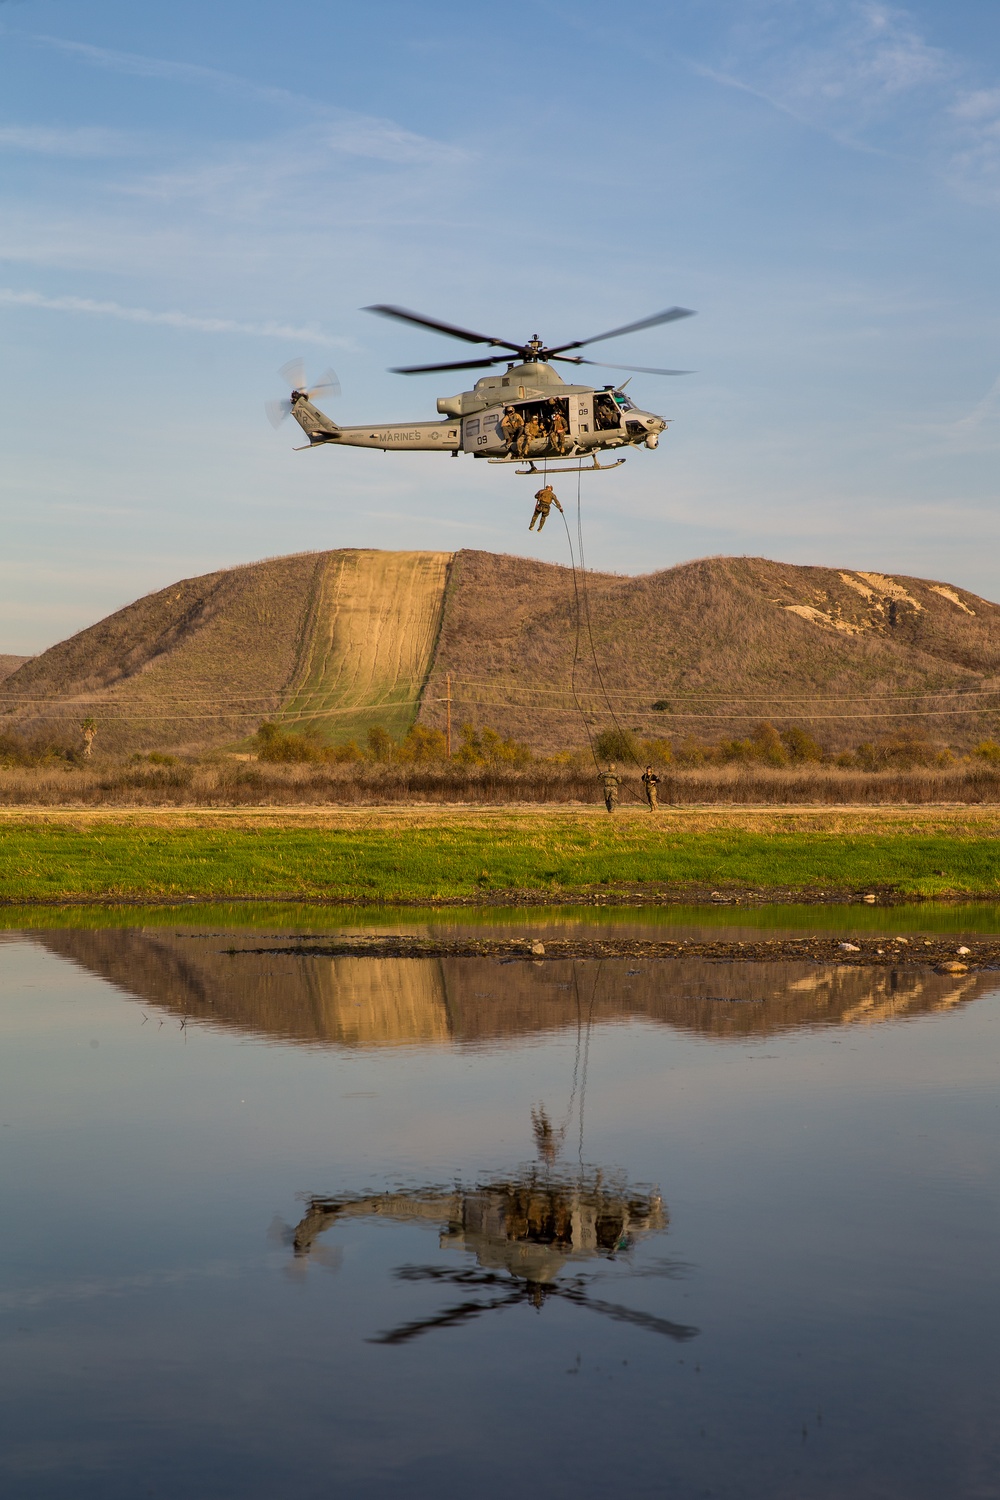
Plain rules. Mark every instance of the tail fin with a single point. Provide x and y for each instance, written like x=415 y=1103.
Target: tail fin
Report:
x=317 y=427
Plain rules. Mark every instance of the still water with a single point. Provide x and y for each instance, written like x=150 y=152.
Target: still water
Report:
x=343 y=1226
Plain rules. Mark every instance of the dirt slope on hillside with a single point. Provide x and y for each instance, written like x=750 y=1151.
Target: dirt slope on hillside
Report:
x=722 y=642
x=369 y=642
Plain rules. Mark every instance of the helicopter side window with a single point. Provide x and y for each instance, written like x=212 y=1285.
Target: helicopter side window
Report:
x=606 y=413
x=623 y=401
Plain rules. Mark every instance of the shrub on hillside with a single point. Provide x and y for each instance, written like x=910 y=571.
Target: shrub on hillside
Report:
x=381 y=745
x=764 y=747
x=17 y=751
x=800 y=746
x=283 y=747
x=484 y=747
x=616 y=745
x=656 y=752
x=422 y=747
x=280 y=747
x=898 y=753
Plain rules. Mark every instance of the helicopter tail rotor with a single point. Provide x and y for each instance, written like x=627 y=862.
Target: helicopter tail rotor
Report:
x=294 y=373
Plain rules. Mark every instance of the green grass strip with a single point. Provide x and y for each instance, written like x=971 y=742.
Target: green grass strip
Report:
x=107 y=860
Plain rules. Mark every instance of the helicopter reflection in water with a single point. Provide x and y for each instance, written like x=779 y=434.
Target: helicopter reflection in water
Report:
x=525 y=1230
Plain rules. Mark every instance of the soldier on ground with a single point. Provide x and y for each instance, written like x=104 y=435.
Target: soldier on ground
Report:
x=512 y=427
x=89 y=731
x=650 y=781
x=544 y=501
x=558 y=426
x=611 y=782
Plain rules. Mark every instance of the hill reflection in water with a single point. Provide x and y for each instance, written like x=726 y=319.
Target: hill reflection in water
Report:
x=374 y=1002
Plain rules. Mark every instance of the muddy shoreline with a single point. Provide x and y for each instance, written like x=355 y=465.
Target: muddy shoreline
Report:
x=943 y=954
x=639 y=895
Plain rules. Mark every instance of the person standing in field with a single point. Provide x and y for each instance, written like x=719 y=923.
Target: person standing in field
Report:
x=611 y=782
x=650 y=781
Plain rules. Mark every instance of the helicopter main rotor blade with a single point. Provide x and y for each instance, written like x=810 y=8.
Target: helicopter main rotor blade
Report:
x=465 y=364
x=403 y=315
x=669 y=316
x=449 y=1318
x=681 y=1332
x=603 y=365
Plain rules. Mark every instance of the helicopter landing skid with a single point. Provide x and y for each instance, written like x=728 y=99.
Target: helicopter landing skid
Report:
x=594 y=468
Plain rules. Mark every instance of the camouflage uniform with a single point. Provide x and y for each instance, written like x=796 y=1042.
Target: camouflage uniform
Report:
x=558 y=427
x=512 y=427
x=533 y=430
x=650 y=782
x=611 y=783
x=606 y=414
x=544 y=501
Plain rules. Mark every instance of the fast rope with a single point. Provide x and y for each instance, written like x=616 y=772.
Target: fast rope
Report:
x=576 y=643
x=623 y=737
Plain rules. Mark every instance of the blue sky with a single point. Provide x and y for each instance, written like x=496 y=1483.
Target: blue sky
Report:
x=193 y=194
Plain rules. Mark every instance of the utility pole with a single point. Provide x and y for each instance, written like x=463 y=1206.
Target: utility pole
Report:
x=448 y=730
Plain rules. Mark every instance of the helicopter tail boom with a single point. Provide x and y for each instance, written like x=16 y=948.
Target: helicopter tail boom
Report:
x=434 y=437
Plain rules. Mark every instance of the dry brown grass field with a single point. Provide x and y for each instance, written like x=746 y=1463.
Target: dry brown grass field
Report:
x=250 y=784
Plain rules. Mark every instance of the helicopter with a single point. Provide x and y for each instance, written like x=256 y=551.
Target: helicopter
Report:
x=526 y=1230
x=593 y=420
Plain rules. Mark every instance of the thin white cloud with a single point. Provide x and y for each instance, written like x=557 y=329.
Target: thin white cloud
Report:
x=974 y=165
x=870 y=57
x=85 y=140
x=864 y=75
x=988 y=409
x=837 y=69
x=350 y=133
x=175 y=72
x=800 y=116
x=308 y=335
x=978 y=105
x=977 y=432
x=258 y=174
x=383 y=140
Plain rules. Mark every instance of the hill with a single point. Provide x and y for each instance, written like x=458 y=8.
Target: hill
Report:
x=366 y=1002
x=9 y=664
x=339 y=641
